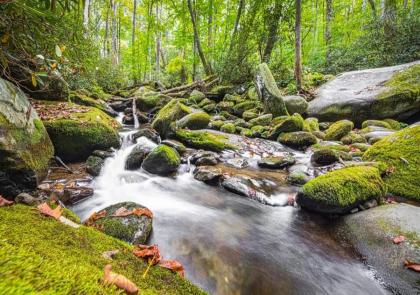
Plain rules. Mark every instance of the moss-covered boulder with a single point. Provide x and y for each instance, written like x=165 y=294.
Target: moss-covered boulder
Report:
x=295 y=104
x=194 y=121
x=241 y=107
x=77 y=131
x=94 y=165
x=262 y=120
x=225 y=106
x=162 y=160
x=210 y=108
x=289 y=124
x=400 y=151
x=311 y=124
x=68 y=258
x=197 y=96
x=268 y=92
x=172 y=111
x=25 y=147
x=204 y=140
x=131 y=229
x=250 y=114
x=78 y=97
x=147 y=101
x=276 y=162
x=228 y=128
x=136 y=157
x=216 y=125
x=340 y=191
x=390 y=92
x=338 y=130
x=325 y=156
x=297 y=140
x=378 y=123
x=353 y=137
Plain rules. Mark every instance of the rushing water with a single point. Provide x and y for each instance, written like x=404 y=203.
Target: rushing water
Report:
x=229 y=244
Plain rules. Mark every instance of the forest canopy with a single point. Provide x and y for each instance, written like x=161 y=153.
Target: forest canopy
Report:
x=117 y=43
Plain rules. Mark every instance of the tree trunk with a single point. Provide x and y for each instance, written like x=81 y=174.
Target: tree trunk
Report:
x=53 y=5
x=114 y=45
x=207 y=67
x=106 y=38
x=327 y=36
x=158 y=42
x=210 y=25
x=373 y=7
x=389 y=19
x=272 y=31
x=133 y=38
x=86 y=14
x=298 y=62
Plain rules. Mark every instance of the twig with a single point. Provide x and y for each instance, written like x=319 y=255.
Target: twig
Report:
x=148 y=267
x=62 y=164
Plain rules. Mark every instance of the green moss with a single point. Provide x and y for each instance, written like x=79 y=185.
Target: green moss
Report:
x=263 y=120
x=204 y=140
x=247 y=132
x=353 y=137
x=240 y=108
x=378 y=123
x=394 y=231
x=225 y=106
x=290 y=124
x=311 y=124
x=395 y=124
x=361 y=146
x=406 y=82
x=43 y=256
x=250 y=114
x=150 y=100
x=71 y=215
x=334 y=147
x=196 y=96
x=338 y=130
x=194 y=121
x=172 y=111
x=164 y=152
x=210 y=108
x=299 y=140
x=205 y=102
x=228 y=128
x=401 y=151
x=216 y=124
x=346 y=186
x=85 y=100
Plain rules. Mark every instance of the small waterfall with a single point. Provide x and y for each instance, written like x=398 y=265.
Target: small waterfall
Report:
x=136 y=119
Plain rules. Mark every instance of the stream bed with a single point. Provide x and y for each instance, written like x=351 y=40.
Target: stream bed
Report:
x=230 y=244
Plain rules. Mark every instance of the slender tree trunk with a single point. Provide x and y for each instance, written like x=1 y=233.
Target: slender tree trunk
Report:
x=390 y=31
x=298 y=62
x=53 y=5
x=373 y=7
x=272 y=30
x=133 y=38
x=106 y=38
x=158 y=42
x=114 y=45
x=210 y=25
x=327 y=36
x=363 y=5
x=207 y=67
x=241 y=6
x=86 y=14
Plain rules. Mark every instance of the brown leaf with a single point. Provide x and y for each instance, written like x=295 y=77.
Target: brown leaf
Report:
x=4 y=202
x=95 y=216
x=122 y=212
x=412 y=265
x=45 y=209
x=173 y=265
x=150 y=253
x=143 y=211
x=398 y=240
x=110 y=254
x=119 y=280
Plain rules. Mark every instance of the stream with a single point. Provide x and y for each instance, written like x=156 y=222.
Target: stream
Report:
x=229 y=244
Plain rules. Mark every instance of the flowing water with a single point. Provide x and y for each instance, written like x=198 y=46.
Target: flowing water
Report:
x=229 y=244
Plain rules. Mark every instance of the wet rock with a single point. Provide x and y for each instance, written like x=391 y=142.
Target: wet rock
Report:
x=262 y=120
x=208 y=174
x=120 y=106
x=369 y=94
x=342 y=190
x=375 y=136
x=103 y=154
x=298 y=178
x=194 y=121
x=324 y=125
x=148 y=101
x=289 y=124
x=71 y=195
x=178 y=146
x=162 y=160
x=369 y=204
x=132 y=228
x=298 y=140
x=244 y=186
x=268 y=92
x=203 y=154
x=324 y=157
x=338 y=130
x=371 y=232
x=295 y=104
x=276 y=162
x=172 y=111
x=206 y=161
x=27 y=199
x=148 y=133
x=136 y=157
x=94 y=165
x=238 y=163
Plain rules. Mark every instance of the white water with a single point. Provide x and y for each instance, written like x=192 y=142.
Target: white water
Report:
x=136 y=119
x=229 y=244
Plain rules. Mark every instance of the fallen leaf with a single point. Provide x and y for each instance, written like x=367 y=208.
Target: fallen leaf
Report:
x=398 y=240
x=173 y=265
x=120 y=281
x=122 y=212
x=150 y=253
x=110 y=254
x=95 y=216
x=412 y=265
x=45 y=209
x=143 y=211
x=4 y=202
x=290 y=199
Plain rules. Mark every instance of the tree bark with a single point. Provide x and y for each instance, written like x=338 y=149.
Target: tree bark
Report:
x=106 y=38
x=373 y=7
x=158 y=42
x=241 y=6
x=389 y=20
x=207 y=67
x=86 y=14
x=272 y=31
x=327 y=36
x=298 y=62
x=210 y=25
x=114 y=45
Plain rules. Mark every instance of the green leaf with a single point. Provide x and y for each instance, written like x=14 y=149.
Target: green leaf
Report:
x=58 y=51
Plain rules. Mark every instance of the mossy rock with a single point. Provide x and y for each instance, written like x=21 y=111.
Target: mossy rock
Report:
x=75 y=136
x=240 y=108
x=205 y=102
x=70 y=260
x=25 y=146
x=335 y=146
x=291 y=124
x=162 y=160
x=311 y=124
x=395 y=124
x=216 y=124
x=249 y=115
x=400 y=151
x=228 y=128
x=324 y=157
x=197 y=96
x=353 y=137
x=262 y=120
x=295 y=104
x=268 y=92
x=378 y=123
x=340 y=191
x=246 y=132
x=81 y=99
x=225 y=106
x=319 y=134
x=172 y=111
x=297 y=178
x=194 y=121
x=338 y=130
x=204 y=140
x=178 y=146
x=233 y=98
x=361 y=146
x=297 y=140
x=276 y=162
x=94 y=165
x=136 y=157
x=147 y=100
x=209 y=108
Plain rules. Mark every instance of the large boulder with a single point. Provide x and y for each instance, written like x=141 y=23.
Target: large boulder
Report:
x=132 y=228
x=25 y=147
x=295 y=104
x=391 y=92
x=204 y=140
x=338 y=130
x=371 y=233
x=194 y=121
x=172 y=111
x=147 y=100
x=288 y=124
x=268 y=92
x=162 y=160
x=77 y=131
x=298 y=140
x=400 y=151
x=340 y=191
x=136 y=157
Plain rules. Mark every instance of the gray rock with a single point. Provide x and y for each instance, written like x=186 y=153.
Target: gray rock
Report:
x=72 y=195
x=103 y=154
x=136 y=157
x=362 y=95
x=208 y=174
x=276 y=162
x=295 y=104
x=375 y=136
x=27 y=199
x=371 y=233
x=238 y=163
x=94 y=165
x=206 y=161
x=298 y=178
x=148 y=133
